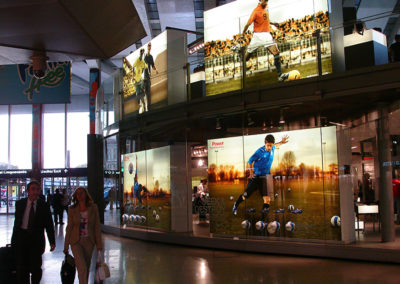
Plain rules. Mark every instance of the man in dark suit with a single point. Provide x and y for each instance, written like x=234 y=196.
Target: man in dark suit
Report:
x=32 y=217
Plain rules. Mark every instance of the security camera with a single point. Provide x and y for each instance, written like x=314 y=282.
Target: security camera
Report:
x=39 y=64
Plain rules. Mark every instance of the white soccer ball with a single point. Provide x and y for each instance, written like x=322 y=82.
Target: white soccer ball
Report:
x=290 y=226
x=246 y=224
x=289 y=189
x=335 y=221
x=276 y=195
x=143 y=219
x=125 y=218
x=260 y=225
x=157 y=217
x=231 y=197
x=291 y=207
x=159 y=208
x=273 y=227
x=132 y=218
x=154 y=213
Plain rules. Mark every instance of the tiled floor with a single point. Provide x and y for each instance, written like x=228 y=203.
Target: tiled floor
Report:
x=138 y=262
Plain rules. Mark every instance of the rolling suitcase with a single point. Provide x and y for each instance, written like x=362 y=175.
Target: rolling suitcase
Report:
x=8 y=273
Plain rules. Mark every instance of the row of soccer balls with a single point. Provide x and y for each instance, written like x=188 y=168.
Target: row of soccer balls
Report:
x=137 y=218
x=274 y=226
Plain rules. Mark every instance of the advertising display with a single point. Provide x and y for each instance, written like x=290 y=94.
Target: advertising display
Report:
x=277 y=185
x=145 y=80
x=147 y=192
x=154 y=75
x=277 y=39
x=19 y=85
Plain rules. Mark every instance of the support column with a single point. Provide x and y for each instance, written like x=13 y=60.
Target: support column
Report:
x=37 y=140
x=94 y=85
x=385 y=177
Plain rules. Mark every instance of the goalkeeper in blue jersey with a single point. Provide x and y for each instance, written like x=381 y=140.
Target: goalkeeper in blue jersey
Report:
x=259 y=165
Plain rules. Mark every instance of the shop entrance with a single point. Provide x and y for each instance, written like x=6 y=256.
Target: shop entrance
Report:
x=11 y=191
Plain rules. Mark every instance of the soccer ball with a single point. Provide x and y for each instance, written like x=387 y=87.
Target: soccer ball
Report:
x=231 y=197
x=293 y=75
x=157 y=217
x=132 y=218
x=246 y=224
x=125 y=218
x=154 y=213
x=289 y=189
x=273 y=227
x=260 y=225
x=290 y=226
x=159 y=208
x=291 y=207
x=143 y=219
x=335 y=221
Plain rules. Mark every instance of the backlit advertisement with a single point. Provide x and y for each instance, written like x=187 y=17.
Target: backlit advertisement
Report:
x=147 y=192
x=145 y=82
x=277 y=38
x=276 y=185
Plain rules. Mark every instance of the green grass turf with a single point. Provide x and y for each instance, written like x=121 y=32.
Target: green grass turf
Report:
x=319 y=203
x=266 y=77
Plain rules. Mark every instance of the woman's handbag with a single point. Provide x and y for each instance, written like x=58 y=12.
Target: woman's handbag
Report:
x=67 y=272
x=102 y=270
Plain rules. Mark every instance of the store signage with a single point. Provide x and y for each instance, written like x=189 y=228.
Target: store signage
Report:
x=67 y=172
x=13 y=172
x=111 y=172
x=18 y=85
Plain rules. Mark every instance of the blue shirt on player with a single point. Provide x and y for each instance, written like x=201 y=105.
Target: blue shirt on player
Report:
x=262 y=160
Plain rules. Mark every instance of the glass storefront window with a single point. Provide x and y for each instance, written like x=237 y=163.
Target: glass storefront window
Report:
x=77 y=130
x=4 y=135
x=21 y=137
x=54 y=136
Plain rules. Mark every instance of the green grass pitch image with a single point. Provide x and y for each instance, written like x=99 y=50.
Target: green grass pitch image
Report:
x=303 y=175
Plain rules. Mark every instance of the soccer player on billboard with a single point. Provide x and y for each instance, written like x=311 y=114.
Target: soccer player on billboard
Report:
x=262 y=36
x=148 y=58
x=139 y=66
x=259 y=165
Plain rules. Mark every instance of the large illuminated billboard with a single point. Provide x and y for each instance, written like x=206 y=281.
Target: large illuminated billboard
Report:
x=147 y=191
x=153 y=75
x=277 y=38
x=287 y=189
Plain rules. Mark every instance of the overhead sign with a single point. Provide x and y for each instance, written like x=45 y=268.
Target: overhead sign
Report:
x=18 y=85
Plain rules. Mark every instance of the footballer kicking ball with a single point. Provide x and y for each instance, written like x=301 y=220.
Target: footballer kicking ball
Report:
x=291 y=207
x=132 y=218
x=290 y=226
x=157 y=218
x=246 y=224
x=335 y=221
x=260 y=225
x=273 y=227
x=293 y=75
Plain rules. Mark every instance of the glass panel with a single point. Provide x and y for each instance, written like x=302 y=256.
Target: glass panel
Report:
x=21 y=137
x=54 y=136
x=77 y=131
x=4 y=135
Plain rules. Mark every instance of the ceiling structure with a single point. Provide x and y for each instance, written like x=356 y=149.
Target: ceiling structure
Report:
x=110 y=30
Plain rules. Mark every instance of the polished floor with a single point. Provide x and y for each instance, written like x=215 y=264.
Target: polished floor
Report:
x=135 y=262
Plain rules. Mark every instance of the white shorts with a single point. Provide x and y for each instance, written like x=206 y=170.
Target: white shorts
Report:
x=260 y=39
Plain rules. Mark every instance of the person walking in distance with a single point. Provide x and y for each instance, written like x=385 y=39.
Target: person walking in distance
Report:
x=32 y=218
x=83 y=232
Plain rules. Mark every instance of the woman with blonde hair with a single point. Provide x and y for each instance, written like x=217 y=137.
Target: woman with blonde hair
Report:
x=83 y=231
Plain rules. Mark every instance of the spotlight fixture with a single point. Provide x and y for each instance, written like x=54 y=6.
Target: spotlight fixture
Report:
x=281 y=118
x=218 y=125
x=250 y=121
x=264 y=126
